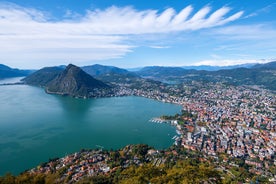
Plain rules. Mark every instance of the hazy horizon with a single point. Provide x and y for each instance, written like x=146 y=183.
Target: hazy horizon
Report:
x=138 y=67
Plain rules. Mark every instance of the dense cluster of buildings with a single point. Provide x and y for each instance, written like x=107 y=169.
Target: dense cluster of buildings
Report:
x=77 y=165
x=237 y=121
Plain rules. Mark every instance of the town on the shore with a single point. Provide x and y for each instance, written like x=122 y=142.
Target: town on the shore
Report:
x=232 y=125
x=236 y=121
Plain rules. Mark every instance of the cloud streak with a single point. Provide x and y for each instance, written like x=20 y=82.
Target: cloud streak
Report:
x=266 y=9
x=247 y=32
x=29 y=34
x=229 y=62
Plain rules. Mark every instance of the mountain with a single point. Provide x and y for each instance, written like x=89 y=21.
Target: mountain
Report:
x=259 y=74
x=269 y=66
x=134 y=69
x=152 y=77
x=112 y=75
x=43 y=76
x=204 y=67
x=98 y=70
x=161 y=73
x=7 y=72
x=118 y=77
x=73 y=81
x=216 y=68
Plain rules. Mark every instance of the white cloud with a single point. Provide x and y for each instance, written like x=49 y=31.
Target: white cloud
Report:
x=247 y=32
x=215 y=56
x=229 y=62
x=265 y=9
x=182 y=15
x=31 y=36
x=159 y=47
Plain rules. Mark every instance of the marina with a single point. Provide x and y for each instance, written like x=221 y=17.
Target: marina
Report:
x=174 y=123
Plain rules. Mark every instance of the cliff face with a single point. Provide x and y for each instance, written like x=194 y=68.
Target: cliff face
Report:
x=73 y=81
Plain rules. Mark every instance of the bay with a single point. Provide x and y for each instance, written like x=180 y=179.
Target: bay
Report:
x=10 y=80
x=35 y=126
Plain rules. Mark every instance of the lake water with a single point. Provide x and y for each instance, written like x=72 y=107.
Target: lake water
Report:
x=35 y=126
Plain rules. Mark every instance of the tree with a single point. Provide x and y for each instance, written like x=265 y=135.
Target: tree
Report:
x=7 y=179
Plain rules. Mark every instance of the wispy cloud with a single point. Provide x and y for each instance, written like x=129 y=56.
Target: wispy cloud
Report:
x=114 y=20
x=266 y=9
x=32 y=35
x=159 y=47
x=257 y=40
x=215 y=56
x=247 y=32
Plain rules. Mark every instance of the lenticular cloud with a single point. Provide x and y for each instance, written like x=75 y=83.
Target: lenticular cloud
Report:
x=114 y=20
x=32 y=35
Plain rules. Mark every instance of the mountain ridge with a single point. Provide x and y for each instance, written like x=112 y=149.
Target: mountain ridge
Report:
x=201 y=67
x=259 y=74
x=8 y=72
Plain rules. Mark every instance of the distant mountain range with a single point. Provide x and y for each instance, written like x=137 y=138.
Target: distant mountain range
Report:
x=7 y=72
x=204 y=67
x=216 y=68
x=258 y=74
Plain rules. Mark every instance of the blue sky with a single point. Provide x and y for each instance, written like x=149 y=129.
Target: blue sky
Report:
x=128 y=33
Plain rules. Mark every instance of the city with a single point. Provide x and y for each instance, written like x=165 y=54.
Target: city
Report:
x=216 y=121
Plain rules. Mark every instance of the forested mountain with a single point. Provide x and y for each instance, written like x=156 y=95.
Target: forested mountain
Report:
x=119 y=77
x=43 y=76
x=111 y=74
x=216 y=68
x=269 y=66
x=259 y=74
x=73 y=81
x=7 y=72
x=100 y=70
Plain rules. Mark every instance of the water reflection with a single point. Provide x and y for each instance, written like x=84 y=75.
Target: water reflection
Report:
x=74 y=109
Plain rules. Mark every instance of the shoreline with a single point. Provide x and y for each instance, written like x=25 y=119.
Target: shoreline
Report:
x=179 y=134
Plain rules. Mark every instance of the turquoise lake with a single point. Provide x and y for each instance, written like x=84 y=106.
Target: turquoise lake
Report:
x=35 y=126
